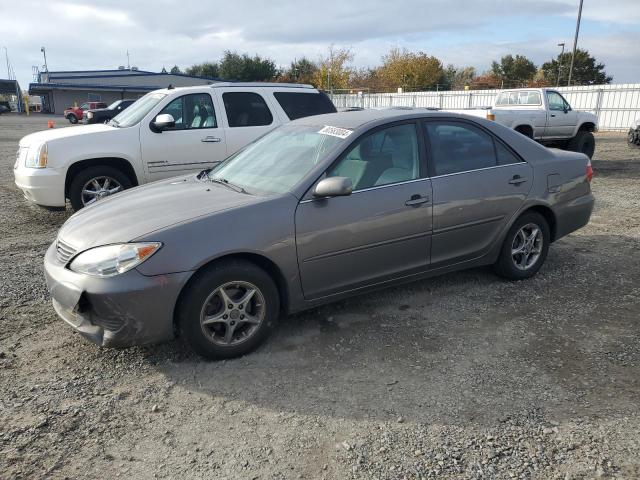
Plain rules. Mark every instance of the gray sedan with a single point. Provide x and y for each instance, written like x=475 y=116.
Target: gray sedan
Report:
x=317 y=210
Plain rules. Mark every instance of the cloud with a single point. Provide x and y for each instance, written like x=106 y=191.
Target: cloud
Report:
x=92 y=35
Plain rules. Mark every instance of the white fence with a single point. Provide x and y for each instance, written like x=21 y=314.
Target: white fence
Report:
x=616 y=106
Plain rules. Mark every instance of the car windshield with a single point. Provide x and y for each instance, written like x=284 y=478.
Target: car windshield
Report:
x=137 y=111
x=276 y=162
x=114 y=104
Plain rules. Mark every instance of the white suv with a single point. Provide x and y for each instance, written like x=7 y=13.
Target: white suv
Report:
x=166 y=133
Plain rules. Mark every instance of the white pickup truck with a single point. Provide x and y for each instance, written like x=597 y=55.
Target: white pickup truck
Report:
x=166 y=133
x=544 y=115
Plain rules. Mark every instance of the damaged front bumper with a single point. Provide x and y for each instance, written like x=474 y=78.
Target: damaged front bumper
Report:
x=124 y=310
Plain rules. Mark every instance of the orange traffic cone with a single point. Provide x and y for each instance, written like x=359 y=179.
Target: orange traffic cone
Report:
x=50 y=124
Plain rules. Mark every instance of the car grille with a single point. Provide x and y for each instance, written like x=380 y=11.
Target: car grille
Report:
x=64 y=251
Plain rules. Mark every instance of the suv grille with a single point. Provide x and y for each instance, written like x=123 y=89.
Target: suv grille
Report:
x=64 y=251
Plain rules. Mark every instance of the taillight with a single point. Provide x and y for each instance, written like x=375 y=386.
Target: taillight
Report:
x=589 y=171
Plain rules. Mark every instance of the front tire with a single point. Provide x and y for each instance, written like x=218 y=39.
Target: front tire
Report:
x=228 y=310
x=525 y=247
x=72 y=118
x=583 y=142
x=94 y=183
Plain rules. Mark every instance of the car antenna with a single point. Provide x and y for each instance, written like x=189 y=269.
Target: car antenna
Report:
x=170 y=87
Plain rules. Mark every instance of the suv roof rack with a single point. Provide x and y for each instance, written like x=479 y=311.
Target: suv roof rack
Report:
x=259 y=84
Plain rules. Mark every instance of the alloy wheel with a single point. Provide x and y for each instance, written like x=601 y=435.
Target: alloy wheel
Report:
x=526 y=247
x=99 y=187
x=232 y=313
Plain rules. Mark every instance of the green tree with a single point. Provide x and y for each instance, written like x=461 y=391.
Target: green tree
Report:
x=513 y=71
x=175 y=69
x=410 y=70
x=586 y=70
x=454 y=78
x=300 y=71
x=205 y=69
x=234 y=66
x=333 y=70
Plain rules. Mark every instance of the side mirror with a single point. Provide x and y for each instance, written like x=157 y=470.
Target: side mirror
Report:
x=163 y=122
x=333 y=187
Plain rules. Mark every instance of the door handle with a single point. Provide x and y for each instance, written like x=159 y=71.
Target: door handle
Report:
x=517 y=180
x=211 y=139
x=416 y=200
x=552 y=115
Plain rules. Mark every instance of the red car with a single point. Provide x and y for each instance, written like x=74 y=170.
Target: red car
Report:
x=74 y=114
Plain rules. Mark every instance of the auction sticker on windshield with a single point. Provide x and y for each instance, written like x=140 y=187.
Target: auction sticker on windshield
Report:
x=336 y=131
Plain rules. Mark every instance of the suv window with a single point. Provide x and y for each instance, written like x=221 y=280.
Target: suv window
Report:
x=381 y=158
x=458 y=147
x=192 y=111
x=84 y=106
x=299 y=105
x=556 y=101
x=246 y=109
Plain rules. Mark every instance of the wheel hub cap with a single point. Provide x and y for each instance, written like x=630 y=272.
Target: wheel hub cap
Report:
x=526 y=247
x=232 y=313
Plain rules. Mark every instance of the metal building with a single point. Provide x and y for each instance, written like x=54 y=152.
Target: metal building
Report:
x=63 y=89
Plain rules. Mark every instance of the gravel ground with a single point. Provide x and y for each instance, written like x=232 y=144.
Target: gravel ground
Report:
x=462 y=376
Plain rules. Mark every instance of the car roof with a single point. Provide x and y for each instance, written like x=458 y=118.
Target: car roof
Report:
x=355 y=119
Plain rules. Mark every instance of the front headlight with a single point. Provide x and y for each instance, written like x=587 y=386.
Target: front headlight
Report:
x=37 y=157
x=112 y=260
x=89 y=115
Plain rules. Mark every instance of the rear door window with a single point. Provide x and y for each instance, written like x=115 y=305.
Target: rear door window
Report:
x=299 y=105
x=246 y=109
x=459 y=147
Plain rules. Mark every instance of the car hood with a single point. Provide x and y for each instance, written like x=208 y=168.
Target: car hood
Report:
x=67 y=132
x=143 y=210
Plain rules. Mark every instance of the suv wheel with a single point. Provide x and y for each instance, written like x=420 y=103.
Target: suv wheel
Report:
x=228 y=310
x=525 y=247
x=72 y=118
x=583 y=142
x=95 y=183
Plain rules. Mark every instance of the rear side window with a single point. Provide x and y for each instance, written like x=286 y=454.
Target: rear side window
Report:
x=299 y=105
x=246 y=109
x=505 y=156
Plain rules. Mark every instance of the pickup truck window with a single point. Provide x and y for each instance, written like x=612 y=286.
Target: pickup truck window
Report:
x=299 y=105
x=557 y=101
x=191 y=112
x=246 y=109
x=132 y=115
x=519 y=98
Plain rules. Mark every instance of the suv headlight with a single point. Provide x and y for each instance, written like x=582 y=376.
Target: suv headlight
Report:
x=111 y=260
x=37 y=157
x=89 y=115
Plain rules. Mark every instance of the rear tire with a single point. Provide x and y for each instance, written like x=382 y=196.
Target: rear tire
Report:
x=532 y=250
x=72 y=118
x=583 y=142
x=100 y=172
x=216 y=318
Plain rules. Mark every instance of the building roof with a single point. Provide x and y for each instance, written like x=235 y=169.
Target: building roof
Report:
x=9 y=86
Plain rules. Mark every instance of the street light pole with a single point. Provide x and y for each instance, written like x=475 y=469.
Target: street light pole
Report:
x=6 y=57
x=560 y=63
x=44 y=52
x=575 y=43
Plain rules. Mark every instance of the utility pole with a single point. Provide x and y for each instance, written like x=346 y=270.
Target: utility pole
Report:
x=575 y=43
x=128 y=64
x=560 y=63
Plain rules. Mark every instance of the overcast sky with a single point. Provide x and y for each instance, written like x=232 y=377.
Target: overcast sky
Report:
x=92 y=35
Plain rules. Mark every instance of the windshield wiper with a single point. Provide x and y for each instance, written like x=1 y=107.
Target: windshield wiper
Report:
x=114 y=123
x=227 y=183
